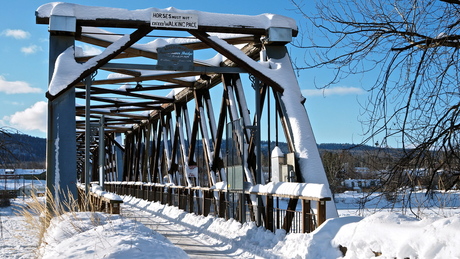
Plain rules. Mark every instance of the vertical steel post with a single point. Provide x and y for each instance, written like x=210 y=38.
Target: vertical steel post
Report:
x=61 y=142
x=119 y=157
x=87 y=132
x=101 y=151
x=258 y=151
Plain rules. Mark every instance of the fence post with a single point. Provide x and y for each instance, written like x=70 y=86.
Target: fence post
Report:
x=161 y=194
x=222 y=204
x=170 y=196
x=269 y=213
x=206 y=202
x=140 y=191
x=191 y=204
x=321 y=217
x=306 y=219
x=151 y=193
x=182 y=192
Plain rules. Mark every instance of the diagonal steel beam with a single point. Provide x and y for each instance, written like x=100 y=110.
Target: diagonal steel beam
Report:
x=133 y=38
x=204 y=37
x=166 y=77
x=99 y=90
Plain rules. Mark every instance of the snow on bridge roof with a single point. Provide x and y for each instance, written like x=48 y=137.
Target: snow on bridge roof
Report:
x=133 y=18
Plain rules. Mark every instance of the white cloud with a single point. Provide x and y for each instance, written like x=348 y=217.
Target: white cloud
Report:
x=338 y=90
x=17 y=34
x=87 y=50
x=30 y=49
x=16 y=87
x=33 y=118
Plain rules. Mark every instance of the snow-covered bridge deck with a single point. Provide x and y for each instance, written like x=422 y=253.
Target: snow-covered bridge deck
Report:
x=180 y=235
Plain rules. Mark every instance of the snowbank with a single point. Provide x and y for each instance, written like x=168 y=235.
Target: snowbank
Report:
x=316 y=244
x=96 y=235
x=394 y=235
x=389 y=234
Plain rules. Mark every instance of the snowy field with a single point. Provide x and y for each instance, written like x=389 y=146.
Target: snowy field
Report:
x=364 y=232
x=18 y=183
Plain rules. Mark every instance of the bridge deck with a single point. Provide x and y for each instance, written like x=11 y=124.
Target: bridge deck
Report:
x=177 y=234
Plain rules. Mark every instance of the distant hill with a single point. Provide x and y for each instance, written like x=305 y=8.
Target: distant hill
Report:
x=22 y=148
x=33 y=149
x=341 y=146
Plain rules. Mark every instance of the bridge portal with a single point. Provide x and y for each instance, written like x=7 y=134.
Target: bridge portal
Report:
x=174 y=97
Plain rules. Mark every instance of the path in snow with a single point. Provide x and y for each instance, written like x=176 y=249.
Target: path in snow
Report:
x=179 y=235
x=16 y=239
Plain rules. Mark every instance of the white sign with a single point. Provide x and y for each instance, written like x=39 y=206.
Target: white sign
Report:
x=174 y=20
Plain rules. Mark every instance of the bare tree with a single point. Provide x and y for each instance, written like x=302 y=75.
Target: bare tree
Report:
x=8 y=144
x=412 y=46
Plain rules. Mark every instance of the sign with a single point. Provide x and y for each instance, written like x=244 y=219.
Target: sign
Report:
x=174 y=20
x=192 y=171
x=175 y=57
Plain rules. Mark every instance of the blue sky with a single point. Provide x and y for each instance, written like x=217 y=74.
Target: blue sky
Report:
x=334 y=113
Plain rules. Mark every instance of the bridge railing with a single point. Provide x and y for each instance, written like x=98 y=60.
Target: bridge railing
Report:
x=305 y=216
x=98 y=200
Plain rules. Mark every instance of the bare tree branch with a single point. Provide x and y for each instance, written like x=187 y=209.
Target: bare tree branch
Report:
x=413 y=48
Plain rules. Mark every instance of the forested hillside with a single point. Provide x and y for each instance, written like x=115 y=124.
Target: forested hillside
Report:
x=22 y=151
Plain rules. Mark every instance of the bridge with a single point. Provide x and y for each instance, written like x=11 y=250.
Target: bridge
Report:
x=198 y=110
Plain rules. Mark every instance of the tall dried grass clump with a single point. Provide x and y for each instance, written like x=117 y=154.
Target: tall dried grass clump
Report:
x=39 y=211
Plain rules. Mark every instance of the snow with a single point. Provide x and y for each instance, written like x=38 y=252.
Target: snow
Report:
x=204 y=18
x=65 y=66
x=400 y=236
x=57 y=172
x=389 y=233
x=20 y=183
x=20 y=172
x=276 y=152
x=97 y=189
x=296 y=189
x=110 y=236
x=67 y=69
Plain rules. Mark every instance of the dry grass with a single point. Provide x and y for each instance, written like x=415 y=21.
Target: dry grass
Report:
x=39 y=212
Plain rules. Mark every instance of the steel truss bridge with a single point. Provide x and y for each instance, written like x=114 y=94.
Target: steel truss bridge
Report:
x=183 y=103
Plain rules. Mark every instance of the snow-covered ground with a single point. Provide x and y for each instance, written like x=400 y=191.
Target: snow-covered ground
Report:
x=16 y=239
x=381 y=232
